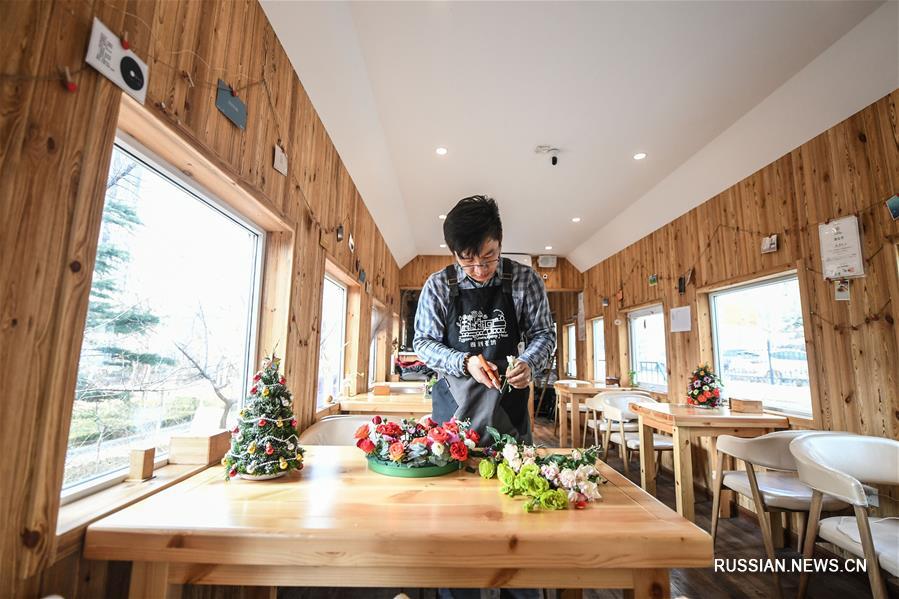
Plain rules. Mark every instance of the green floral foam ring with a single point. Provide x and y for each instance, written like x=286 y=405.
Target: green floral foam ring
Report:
x=389 y=469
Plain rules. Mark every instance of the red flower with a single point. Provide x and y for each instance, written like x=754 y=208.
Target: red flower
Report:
x=451 y=426
x=473 y=435
x=391 y=429
x=459 y=451
x=701 y=399
x=420 y=440
x=365 y=445
x=376 y=420
x=438 y=434
x=426 y=422
x=362 y=432
x=396 y=451
x=262 y=422
x=717 y=393
x=580 y=504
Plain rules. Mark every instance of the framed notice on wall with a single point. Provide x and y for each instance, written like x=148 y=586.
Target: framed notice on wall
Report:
x=841 y=248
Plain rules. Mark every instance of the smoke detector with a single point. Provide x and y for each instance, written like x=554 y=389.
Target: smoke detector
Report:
x=552 y=151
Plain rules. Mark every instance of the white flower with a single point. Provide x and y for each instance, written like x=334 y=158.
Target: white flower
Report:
x=469 y=443
x=514 y=464
x=438 y=449
x=510 y=452
x=550 y=472
x=584 y=472
x=589 y=489
x=575 y=455
x=568 y=478
x=529 y=452
x=573 y=496
x=527 y=461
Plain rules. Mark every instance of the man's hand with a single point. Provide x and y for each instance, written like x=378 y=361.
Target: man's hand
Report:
x=476 y=370
x=520 y=376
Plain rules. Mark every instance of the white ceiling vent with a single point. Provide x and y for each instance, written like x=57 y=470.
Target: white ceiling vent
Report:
x=546 y=261
x=522 y=258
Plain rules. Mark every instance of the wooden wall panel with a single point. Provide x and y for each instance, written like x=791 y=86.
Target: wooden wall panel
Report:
x=853 y=346
x=54 y=155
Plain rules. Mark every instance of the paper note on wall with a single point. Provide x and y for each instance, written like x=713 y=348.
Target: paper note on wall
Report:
x=680 y=319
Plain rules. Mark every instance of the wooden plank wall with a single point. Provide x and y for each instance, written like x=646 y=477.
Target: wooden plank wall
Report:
x=853 y=346
x=55 y=148
x=565 y=277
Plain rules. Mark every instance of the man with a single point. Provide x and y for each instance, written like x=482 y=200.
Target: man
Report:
x=488 y=305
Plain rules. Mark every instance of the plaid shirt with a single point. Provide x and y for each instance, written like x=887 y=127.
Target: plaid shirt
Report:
x=535 y=321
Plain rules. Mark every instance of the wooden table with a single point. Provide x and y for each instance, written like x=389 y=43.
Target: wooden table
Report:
x=573 y=393
x=686 y=423
x=336 y=524
x=410 y=405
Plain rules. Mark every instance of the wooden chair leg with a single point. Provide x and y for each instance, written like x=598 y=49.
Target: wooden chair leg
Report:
x=622 y=448
x=801 y=520
x=605 y=440
x=764 y=522
x=717 y=483
x=878 y=586
x=811 y=533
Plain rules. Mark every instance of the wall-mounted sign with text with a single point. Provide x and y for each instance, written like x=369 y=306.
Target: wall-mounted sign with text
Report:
x=841 y=248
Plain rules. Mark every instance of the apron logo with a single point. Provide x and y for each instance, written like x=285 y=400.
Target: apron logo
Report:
x=479 y=330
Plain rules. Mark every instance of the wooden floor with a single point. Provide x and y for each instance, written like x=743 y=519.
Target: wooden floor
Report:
x=738 y=537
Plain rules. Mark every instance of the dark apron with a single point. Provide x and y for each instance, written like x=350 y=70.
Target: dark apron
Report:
x=482 y=320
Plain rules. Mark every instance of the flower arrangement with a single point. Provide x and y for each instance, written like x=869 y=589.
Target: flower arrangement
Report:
x=548 y=481
x=393 y=448
x=704 y=388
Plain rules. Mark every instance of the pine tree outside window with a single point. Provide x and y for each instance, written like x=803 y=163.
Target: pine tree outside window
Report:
x=170 y=328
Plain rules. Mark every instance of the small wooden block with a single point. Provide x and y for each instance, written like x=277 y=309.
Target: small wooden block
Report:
x=142 y=461
x=199 y=449
x=746 y=406
x=382 y=389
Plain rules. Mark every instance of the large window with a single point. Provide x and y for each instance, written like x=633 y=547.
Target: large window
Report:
x=374 y=360
x=333 y=339
x=647 y=347
x=570 y=351
x=169 y=336
x=599 y=351
x=760 y=345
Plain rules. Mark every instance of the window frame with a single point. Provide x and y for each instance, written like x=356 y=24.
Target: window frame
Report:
x=570 y=341
x=656 y=308
x=151 y=161
x=344 y=312
x=716 y=355
x=602 y=327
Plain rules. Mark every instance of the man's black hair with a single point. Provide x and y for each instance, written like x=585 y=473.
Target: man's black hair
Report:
x=472 y=222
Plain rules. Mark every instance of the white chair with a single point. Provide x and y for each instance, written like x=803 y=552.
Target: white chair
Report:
x=598 y=424
x=775 y=491
x=615 y=408
x=840 y=465
x=334 y=430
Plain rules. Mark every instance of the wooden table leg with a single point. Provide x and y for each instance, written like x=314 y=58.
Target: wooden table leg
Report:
x=570 y=593
x=647 y=458
x=575 y=419
x=649 y=584
x=683 y=473
x=563 y=419
x=150 y=580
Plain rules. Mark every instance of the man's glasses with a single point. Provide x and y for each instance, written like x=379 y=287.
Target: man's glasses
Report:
x=482 y=265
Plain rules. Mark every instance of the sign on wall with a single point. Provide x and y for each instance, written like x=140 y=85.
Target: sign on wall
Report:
x=841 y=249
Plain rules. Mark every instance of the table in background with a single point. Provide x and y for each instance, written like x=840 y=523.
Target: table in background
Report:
x=337 y=524
x=686 y=423
x=574 y=393
x=407 y=405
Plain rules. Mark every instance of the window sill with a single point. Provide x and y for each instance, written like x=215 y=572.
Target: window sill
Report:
x=75 y=517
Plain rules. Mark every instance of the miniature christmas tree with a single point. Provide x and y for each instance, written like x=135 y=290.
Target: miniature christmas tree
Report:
x=264 y=443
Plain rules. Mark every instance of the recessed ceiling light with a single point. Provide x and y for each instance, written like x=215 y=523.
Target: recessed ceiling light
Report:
x=549 y=247
x=441 y=151
x=442 y=217
x=576 y=219
x=443 y=245
x=639 y=155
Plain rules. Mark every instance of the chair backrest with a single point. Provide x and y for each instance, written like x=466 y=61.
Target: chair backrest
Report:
x=333 y=430
x=616 y=405
x=572 y=382
x=838 y=464
x=769 y=451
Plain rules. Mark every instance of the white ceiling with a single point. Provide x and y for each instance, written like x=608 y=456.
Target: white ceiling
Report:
x=391 y=81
